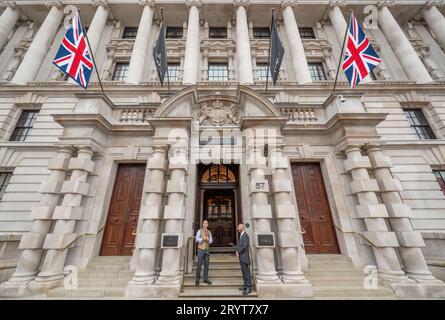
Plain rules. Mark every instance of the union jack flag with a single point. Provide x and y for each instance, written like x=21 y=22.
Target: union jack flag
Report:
x=73 y=57
x=360 y=57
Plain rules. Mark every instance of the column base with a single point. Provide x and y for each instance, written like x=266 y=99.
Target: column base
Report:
x=14 y=289
x=395 y=277
x=297 y=278
x=284 y=290
x=41 y=285
x=419 y=290
x=423 y=277
x=146 y=290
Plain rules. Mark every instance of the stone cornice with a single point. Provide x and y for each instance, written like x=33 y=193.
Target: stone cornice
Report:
x=434 y=3
x=54 y=3
x=149 y=3
x=241 y=3
x=288 y=3
x=385 y=3
x=337 y=3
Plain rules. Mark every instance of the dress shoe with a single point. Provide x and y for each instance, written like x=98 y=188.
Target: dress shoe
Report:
x=207 y=281
x=246 y=292
x=242 y=289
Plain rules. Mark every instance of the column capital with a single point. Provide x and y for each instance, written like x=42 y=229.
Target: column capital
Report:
x=241 y=3
x=385 y=3
x=337 y=3
x=434 y=3
x=103 y=3
x=191 y=3
x=367 y=148
x=144 y=3
x=54 y=3
x=288 y=3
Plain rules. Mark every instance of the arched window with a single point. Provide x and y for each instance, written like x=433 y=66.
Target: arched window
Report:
x=217 y=173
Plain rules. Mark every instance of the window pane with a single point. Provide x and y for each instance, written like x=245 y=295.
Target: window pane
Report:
x=218 y=72
x=120 y=72
x=263 y=71
x=4 y=181
x=307 y=33
x=173 y=71
x=419 y=123
x=130 y=32
x=217 y=32
x=24 y=125
x=261 y=33
x=174 y=32
x=317 y=72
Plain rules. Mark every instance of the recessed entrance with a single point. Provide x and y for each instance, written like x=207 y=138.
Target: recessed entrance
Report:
x=218 y=202
x=313 y=208
x=123 y=214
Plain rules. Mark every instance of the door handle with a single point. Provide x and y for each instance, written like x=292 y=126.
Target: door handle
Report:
x=127 y=213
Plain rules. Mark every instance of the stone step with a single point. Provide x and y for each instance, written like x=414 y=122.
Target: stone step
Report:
x=331 y=265
x=327 y=257
x=214 y=292
x=218 y=282
x=105 y=274
x=109 y=260
x=334 y=273
x=217 y=275
x=117 y=282
x=221 y=266
x=221 y=272
x=101 y=268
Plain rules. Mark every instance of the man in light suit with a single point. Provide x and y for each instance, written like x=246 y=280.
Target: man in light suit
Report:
x=244 y=259
x=204 y=240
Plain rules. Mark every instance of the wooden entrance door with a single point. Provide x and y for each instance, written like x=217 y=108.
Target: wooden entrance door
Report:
x=313 y=208
x=123 y=214
x=219 y=210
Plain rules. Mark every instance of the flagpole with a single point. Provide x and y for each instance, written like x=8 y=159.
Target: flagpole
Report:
x=92 y=55
x=162 y=25
x=268 y=55
x=341 y=56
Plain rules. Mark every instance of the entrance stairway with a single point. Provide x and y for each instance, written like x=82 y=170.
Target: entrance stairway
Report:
x=104 y=277
x=226 y=277
x=333 y=276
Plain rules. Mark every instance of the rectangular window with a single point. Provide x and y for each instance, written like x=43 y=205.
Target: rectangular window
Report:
x=174 y=32
x=218 y=32
x=440 y=176
x=173 y=71
x=317 y=71
x=261 y=33
x=24 y=125
x=4 y=181
x=306 y=33
x=418 y=122
x=263 y=71
x=218 y=72
x=120 y=72
x=130 y=32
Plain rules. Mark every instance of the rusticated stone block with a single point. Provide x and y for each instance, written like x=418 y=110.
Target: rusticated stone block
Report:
x=372 y=211
x=262 y=211
x=150 y=212
x=281 y=185
x=259 y=185
x=364 y=185
x=146 y=240
x=51 y=186
x=42 y=212
x=58 y=164
x=410 y=239
x=357 y=163
x=285 y=211
x=81 y=164
x=287 y=239
x=174 y=212
x=399 y=210
x=59 y=241
x=381 y=239
x=32 y=241
x=155 y=163
x=175 y=186
x=68 y=213
x=76 y=187
x=279 y=163
x=387 y=185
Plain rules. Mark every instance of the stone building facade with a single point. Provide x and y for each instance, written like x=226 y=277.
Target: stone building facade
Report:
x=133 y=171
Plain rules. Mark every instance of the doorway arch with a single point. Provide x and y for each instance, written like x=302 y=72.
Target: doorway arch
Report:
x=219 y=202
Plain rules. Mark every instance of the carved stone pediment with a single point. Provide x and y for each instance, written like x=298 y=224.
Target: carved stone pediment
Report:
x=218 y=114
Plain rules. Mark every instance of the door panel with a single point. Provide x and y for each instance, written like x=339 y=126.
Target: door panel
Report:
x=124 y=211
x=313 y=208
x=219 y=210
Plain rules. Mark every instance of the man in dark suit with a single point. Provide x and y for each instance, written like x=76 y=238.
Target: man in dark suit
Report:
x=244 y=259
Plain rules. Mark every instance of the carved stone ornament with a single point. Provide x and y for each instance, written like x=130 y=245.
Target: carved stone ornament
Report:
x=218 y=114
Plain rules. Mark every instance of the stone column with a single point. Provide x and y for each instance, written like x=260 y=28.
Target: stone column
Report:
x=40 y=46
x=174 y=216
x=296 y=45
x=32 y=242
x=410 y=241
x=435 y=20
x=192 y=44
x=98 y=23
x=147 y=237
x=245 y=74
x=140 y=49
x=261 y=215
x=337 y=19
x=285 y=215
x=401 y=46
x=8 y=19
x=65 y=216
x=383 y=242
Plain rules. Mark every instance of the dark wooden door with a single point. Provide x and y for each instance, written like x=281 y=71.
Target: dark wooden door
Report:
x=313 y=208
x=219 y=210
x=123 y=214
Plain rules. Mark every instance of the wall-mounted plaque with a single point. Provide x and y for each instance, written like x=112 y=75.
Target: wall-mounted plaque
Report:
x=170 y=241
x=265 y=240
